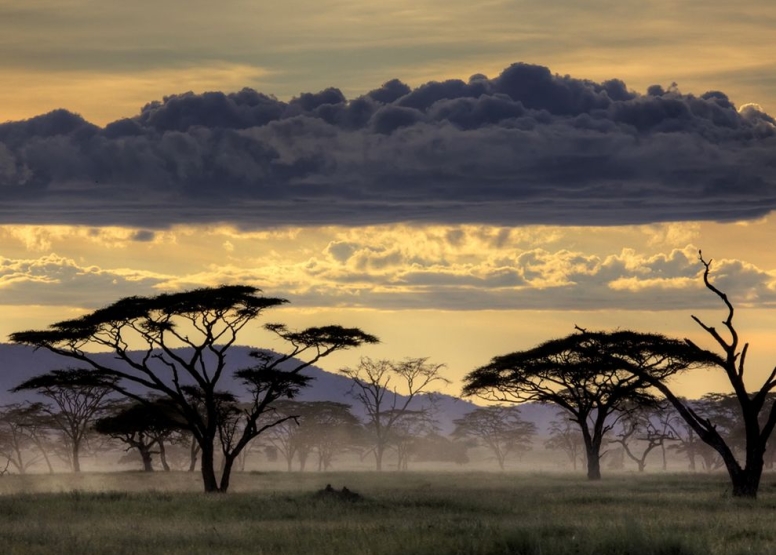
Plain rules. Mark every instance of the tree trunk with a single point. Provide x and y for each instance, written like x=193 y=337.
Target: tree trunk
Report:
x=193 y=452
x=746 y=481
x=379 y=458
x=76 y=460
x=18 y=462
x=145 y=454
x=302 y=459
x=593 y=461
x=48 y=461
x=163 y=456
x=227 y=473
x=208 y=470
x=691 y=457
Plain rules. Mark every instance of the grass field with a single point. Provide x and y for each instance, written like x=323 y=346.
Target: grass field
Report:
x=400 y=513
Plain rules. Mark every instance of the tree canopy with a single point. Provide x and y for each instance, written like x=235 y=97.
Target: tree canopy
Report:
x=145 y=335
x=588 y=374
x=79 y=396
x=377 y=386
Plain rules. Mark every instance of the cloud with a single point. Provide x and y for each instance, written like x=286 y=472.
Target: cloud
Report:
x=143 y=236
x=43 y=238
x=61 y=281
x=389 y=267
x=524 y=147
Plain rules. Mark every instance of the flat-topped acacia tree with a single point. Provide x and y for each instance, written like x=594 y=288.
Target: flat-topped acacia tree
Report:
x=79 y=397
x=577 y=374
x=145 y=335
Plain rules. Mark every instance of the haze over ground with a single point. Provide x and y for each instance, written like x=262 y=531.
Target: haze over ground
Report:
x=457 y=220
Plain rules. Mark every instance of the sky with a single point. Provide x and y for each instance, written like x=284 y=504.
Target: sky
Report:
x=462 y=180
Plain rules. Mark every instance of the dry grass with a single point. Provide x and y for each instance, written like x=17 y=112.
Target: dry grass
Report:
x=401 y=513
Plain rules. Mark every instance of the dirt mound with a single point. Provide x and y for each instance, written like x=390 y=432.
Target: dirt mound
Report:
x=341 y=495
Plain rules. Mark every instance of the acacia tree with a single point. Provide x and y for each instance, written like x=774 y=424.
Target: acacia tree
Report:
x=141 y=426
x=36 y=426
x=565 y=436
x=15 y=441
x=638 y=424
x=500 y=428
x=757 y=410
x=320 y=427
x=327 y=427
x=576 y=374
x=285 y=436
x=376 y=386
x=407 y=433
x=719 y=409
x=80 y=397
x=438 y=448
x=145 y=335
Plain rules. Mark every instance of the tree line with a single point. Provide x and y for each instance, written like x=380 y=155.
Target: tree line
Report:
x=600 y=379
x=86 y=417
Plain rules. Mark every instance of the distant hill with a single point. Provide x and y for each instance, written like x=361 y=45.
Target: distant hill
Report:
x=19 y=362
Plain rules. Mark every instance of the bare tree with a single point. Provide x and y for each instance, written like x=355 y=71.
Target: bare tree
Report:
x=499 y=428
x=757 y=426
x=717 y=408
x=638 y=426
x=386 y=389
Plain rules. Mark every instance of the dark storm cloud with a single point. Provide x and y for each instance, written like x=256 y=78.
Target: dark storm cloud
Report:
x=143 y=236
x=524 y=147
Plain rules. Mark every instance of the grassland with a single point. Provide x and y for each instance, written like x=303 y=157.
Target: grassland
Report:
x=400 y=513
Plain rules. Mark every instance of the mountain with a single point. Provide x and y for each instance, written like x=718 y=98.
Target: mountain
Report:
x=19 y=362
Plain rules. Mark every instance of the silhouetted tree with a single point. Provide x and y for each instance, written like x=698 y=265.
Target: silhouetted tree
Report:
x=141 y=426
x=374 y=390
x=284 y=436
x=206 y=321
x=565 y=436
x=758 y=427
x=408 y=431
x=252 y=447
x=722 y=410
x=577 y=374
x=320 y=427
x=499 y=428
x=80 y=397
x=437 y=448
x=328 y=427
x=638 y=426
x=15 y=441
x=37 y=426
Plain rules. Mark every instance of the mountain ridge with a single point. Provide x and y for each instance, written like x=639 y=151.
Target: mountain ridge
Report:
x=20 y=362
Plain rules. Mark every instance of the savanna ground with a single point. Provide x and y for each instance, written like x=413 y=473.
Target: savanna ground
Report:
x=400 y=513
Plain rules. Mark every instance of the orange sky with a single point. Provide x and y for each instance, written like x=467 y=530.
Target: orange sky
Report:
x=457 y=293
